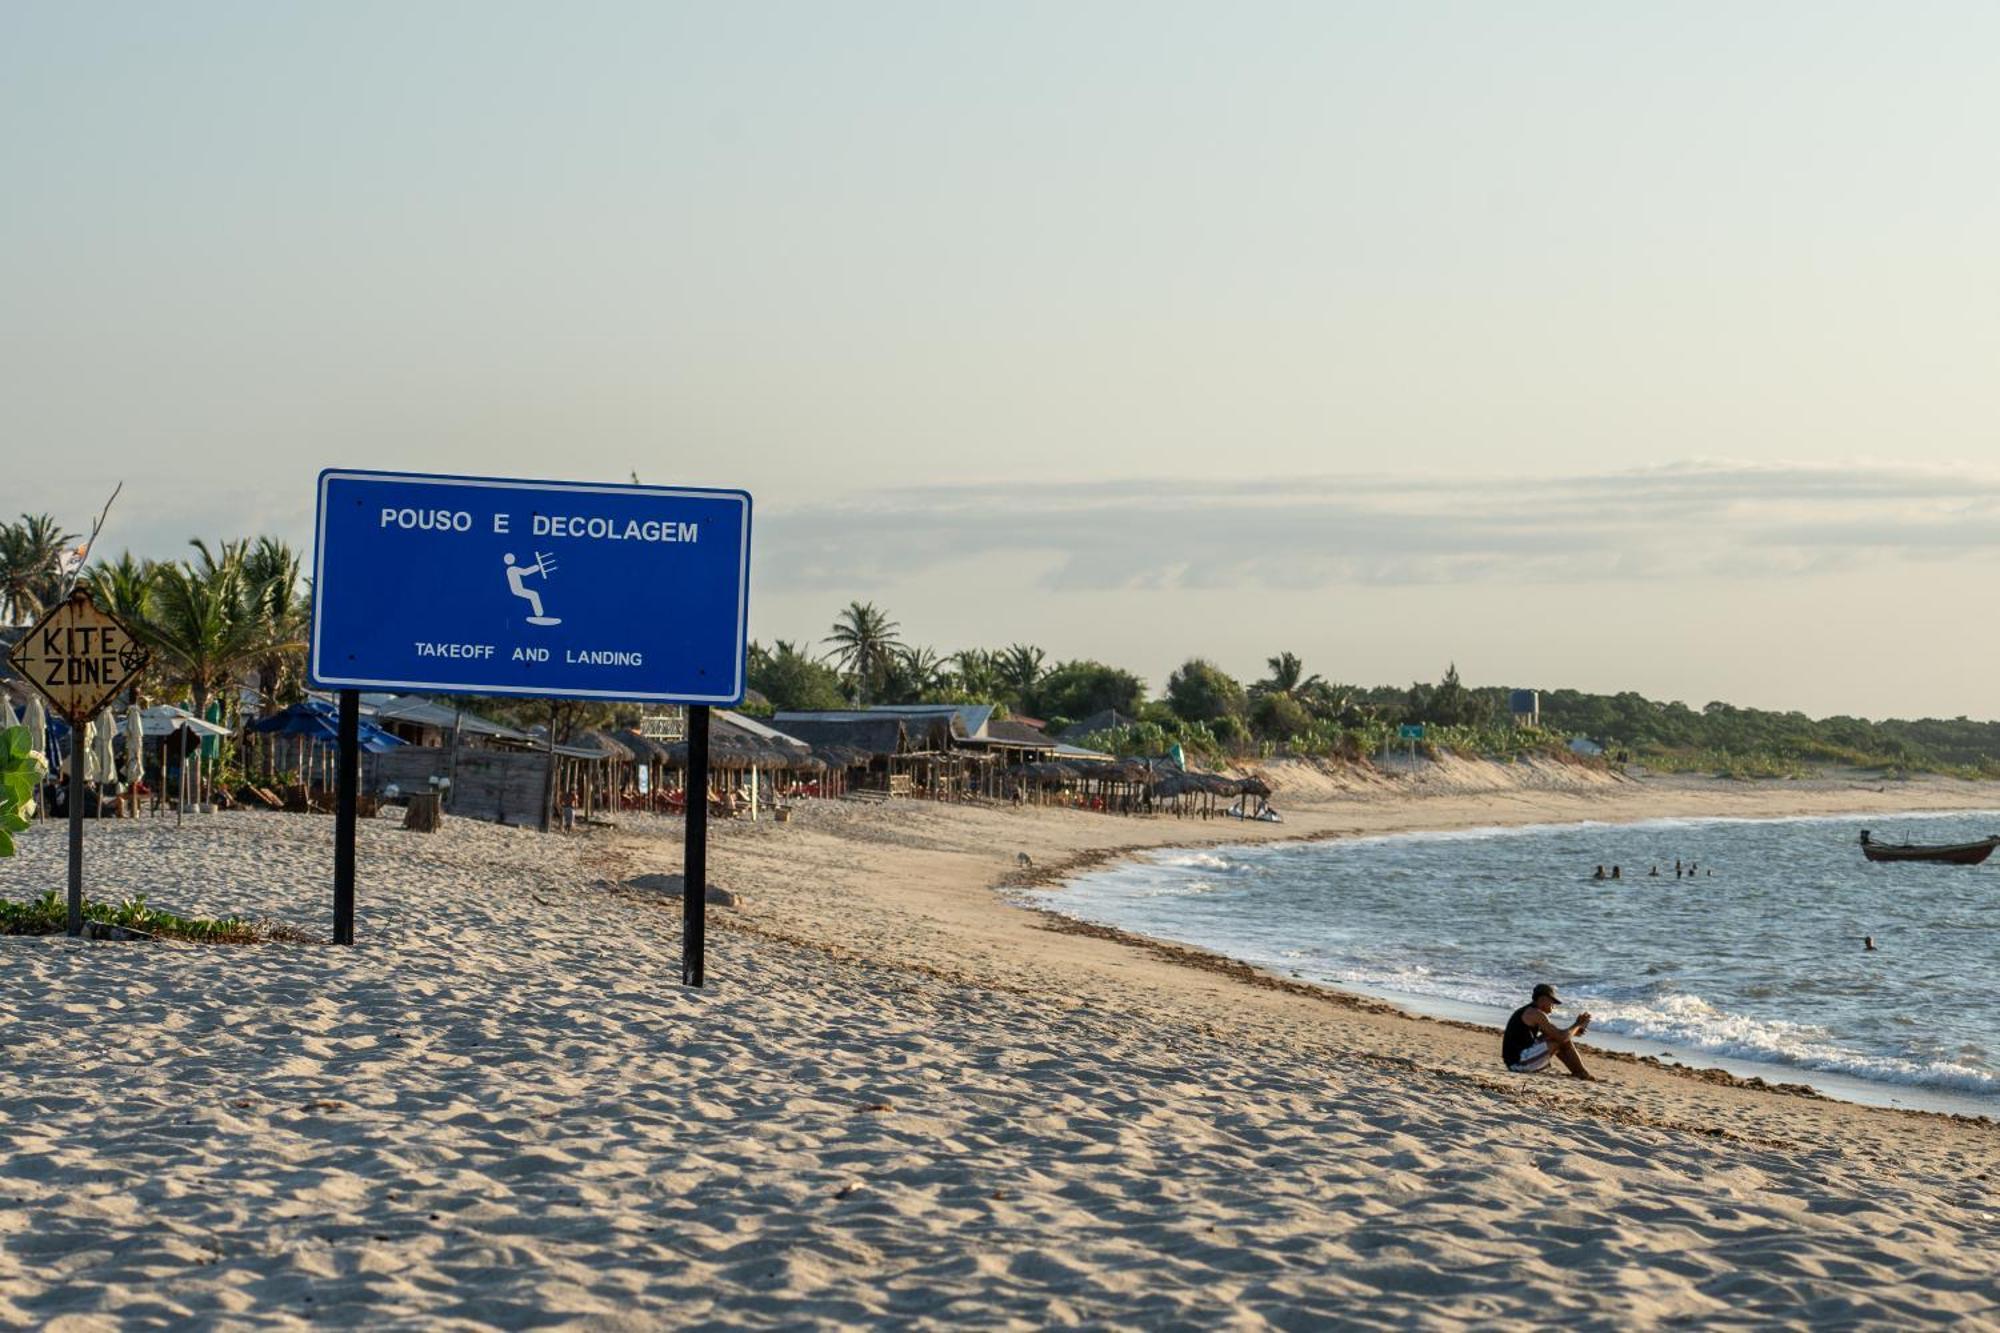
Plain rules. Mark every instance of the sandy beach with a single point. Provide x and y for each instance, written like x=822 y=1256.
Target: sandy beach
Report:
x=901 y=1099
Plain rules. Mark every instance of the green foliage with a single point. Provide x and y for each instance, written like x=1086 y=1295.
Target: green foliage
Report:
x=1287 y=677
x=1751 y=742
x=1151 y=739
x=1722 y=764
x=238 y=609
x=1078 y=689
x=979 y=676
x=20 y=769
x=1448 y=703
x=124 y=587
x=1278 y=716
x=203 y=623
x=49 y=915
x=1231 y=730
x=31 y=566
x=912 y=675
x=275 y=603
x=792 y=678
x=1021 y=668
x=1203 y=692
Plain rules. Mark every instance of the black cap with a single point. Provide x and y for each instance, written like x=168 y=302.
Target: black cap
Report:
x=1545 y=989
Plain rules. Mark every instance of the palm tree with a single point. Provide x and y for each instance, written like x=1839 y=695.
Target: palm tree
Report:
x=202 y=626
x=913 y=674
x=51 y=548
x=979 y=673
x=31 y=565
x=1288 y=675
x=271 y=585
x=124 y=587
x=1020 y=668
x=865 y=645
x=1330 y=702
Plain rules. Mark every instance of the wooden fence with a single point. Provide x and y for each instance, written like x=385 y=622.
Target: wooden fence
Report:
x=500 y=786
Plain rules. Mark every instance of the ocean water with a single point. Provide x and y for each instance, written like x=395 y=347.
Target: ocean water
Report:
x=1756 y=957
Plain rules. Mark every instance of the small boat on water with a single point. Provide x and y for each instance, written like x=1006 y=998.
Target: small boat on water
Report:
x=1953 y=854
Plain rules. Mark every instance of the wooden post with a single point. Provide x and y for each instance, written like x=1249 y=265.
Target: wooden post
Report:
x=451 y=760
x=549 y=775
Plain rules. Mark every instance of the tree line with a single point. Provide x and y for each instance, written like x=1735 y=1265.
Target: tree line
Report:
x=223 y=617
x=864 y=659
x=237 y=614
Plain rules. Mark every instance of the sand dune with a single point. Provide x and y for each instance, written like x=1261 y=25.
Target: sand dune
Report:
x=900 y=1100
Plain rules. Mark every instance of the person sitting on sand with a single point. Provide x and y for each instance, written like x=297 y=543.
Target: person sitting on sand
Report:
x=1531 y=1038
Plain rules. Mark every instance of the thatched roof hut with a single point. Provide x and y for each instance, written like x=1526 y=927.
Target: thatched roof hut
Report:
x=643 y=748
x=737 y=742
x=850 y=741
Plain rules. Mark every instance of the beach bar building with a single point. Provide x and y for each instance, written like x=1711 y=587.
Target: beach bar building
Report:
x=752 y=767
x=872 y=753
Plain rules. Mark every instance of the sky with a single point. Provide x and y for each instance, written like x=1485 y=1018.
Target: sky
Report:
x=1609 y=347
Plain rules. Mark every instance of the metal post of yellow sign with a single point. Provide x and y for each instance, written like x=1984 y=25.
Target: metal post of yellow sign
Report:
x=79 y=658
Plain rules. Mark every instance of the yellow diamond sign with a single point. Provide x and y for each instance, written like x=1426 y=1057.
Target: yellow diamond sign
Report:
x=78 y=657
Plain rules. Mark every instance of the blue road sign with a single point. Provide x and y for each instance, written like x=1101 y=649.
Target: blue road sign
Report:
x=483 y=585
x=1410 y=731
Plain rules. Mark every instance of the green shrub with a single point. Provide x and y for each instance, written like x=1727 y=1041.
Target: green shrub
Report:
x=21 y=768
x=49 y=915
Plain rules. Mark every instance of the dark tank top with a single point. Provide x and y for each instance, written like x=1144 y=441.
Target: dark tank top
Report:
x=1518 y=1036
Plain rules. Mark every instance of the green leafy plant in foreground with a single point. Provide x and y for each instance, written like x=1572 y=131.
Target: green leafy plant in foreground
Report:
x=20 y=769
x=49 y=915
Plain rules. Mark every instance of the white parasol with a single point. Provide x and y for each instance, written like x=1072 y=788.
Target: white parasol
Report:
x=37 y=723
x=135 y=743
x=83 y=745
x=7 y=713
x=107 y=759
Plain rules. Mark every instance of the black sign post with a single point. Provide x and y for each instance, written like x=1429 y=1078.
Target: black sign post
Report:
x=694 y=851
x=75 y=828
x=347 y=786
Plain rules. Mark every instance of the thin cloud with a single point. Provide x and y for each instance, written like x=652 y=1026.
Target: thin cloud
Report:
x=1691 y=519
